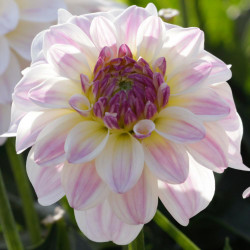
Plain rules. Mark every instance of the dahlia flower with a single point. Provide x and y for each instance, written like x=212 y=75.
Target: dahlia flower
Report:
x=121 y=108
x=20 y=21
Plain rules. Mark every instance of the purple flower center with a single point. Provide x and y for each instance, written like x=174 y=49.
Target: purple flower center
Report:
x=126 y=90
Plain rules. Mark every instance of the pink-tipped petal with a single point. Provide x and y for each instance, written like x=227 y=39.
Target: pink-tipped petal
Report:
x=103 y=33
x=168 y=161
x=220 y=71
x=83 y=187
x=121 y=162
x=100 y=224
x=68 y=61
x=70 y=34
x=183 y=42
x=54 y=92
x=33 y=77
x=86 y=141
x=192 y=77
x=49 y=146
x=185 y=200
x=211 y=152
x=32 y=124
x=149 y=37
x=205 y=103
x=128 y=23
x=143 y=128
x=179 y=125
x=45 y=180
x=246 y=193
x=138 y=205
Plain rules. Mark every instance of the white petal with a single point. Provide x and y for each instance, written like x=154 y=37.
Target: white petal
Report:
x=49 y=146
x=128 y=23
x=167 y=160
x=68 y=61
x=246 y=193
x=149 y=38
x=139 y=204
x=179 y=125
x=45 y=180
x=54 y=92
x=86 y=141
x=121 y=162
x=205 y=103
x=185 y=200
x=211 y=152
x=103 y=33
x=32 y=124
x=83 y=187
x=101 y=225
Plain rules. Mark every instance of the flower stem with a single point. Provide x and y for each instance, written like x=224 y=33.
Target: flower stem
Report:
x=138 y=243
x=11 y=235
x=180 y=238
x=22 y=182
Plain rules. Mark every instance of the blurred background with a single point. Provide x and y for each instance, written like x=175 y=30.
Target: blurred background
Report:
x=225 y=224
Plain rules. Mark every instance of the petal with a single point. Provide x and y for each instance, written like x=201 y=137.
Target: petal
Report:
x=167 y=160
x=45 y=180
x=20 y=39
x=83 y=187
x=180 y=45
x=5 y=54
x=63 y=16
x=143 y=128
x=37 y=48
x=103 y=33
x=121 y=162
x=139 y=204
x=179 y=125
x=70 y=34
x=9 y=17
x=246 y=193
x=128 y=23
x=32 y=124
x=189 y=78
x=211 y=152
x=101 y=225
x=68 y=61
x=86 y=141
x=49 y=146
x=220 y=71
x=185 y=200
x=39 y=10
x=149 y=37
x=54 y=92
x=205 y=103
x=33 y=77
x=9 y=79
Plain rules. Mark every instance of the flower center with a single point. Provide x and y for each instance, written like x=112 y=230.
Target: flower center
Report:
x=125 y=90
